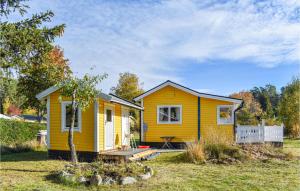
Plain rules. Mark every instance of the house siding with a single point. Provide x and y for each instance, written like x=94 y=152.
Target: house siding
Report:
x=188 y=130
x=209 y=129
x=84 y=140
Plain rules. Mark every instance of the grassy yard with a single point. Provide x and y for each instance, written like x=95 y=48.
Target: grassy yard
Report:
x=29 y=171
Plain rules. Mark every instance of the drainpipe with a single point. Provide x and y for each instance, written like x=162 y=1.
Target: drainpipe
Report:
x=234 y=117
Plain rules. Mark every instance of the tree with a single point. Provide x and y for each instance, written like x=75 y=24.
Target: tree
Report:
x=268 y=98
x=82 y=93
x=251 y=110
x=128 y=86
x=23 y=44
x=40 y=77
x=289 y=104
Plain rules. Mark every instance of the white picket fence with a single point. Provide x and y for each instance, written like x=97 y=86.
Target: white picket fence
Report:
x=259 y=134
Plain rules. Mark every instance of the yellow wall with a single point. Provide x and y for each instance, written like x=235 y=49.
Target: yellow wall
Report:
x=208 y=121
x=188 y=130
x=84 y=140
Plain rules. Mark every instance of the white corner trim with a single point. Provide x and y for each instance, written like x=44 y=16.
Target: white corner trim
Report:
x=96 y=126
x=169 y=115
x=198 y=94
x=63 y=117
x=48 y=122
x=142 y=121
x=219 y=122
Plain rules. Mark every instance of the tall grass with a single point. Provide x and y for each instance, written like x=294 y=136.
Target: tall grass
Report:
x=195 y=152
x=215 y=147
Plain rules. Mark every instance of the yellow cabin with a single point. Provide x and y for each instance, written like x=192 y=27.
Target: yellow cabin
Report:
x=103 y=126
x=178 y=114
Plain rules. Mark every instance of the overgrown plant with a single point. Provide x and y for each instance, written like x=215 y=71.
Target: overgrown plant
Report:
x=195 y=152
x=82 y=92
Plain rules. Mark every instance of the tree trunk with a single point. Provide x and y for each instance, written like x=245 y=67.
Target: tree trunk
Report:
x=1 y=106
x=70 y=137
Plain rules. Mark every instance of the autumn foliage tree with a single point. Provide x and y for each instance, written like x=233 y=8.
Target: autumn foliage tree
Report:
x=128 y=86
x=36 y=78
x=251 y=111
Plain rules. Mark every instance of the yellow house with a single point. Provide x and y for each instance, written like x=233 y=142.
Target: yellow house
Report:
x=102 y=126
x=181 y=114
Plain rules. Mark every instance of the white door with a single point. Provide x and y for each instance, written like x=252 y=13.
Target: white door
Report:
x=109 y=127
x=125 y=127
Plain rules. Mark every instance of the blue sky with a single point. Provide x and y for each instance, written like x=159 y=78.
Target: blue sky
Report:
x=213 y=46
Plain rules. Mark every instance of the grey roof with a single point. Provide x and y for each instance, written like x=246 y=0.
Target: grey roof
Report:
x=106 y=97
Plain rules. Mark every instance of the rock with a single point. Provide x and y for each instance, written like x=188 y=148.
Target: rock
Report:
x=149 y=169
x=108 y=181
x=128 y=180
x=96 y=180
x=145 y=176
x=67 y=176
x=81 y=179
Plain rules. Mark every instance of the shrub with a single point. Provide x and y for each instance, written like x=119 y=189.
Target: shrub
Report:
x=16 y=132
x=20 y=147
x=222 y=152
x=195 y=152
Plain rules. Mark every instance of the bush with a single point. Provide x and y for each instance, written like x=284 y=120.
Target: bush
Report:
x=195 y=153
x=222 y=152
x=20 y=147
x=17 y=132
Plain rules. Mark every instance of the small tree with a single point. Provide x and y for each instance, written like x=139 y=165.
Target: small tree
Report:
x=289 y=111
x=251 y=110
x=82 y=92
x=128 y=86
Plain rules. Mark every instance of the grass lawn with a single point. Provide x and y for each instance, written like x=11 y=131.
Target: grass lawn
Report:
x=29 y=171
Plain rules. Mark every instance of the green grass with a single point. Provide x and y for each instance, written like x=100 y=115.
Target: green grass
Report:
x=30 y=171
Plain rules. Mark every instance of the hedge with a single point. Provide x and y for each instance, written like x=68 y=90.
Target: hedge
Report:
x=16 y=132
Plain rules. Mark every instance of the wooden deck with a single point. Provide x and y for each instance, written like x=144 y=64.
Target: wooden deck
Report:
x=127 y=155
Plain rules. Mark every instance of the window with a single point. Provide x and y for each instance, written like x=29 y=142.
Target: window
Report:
x=225 y=114
x=66 y=116
x=169 y=114
x=108 y=115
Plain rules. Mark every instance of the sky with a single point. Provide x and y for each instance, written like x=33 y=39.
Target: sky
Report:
x=217 y=47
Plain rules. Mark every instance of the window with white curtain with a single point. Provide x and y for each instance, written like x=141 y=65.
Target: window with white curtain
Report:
x=169 y=114
x=225 y=114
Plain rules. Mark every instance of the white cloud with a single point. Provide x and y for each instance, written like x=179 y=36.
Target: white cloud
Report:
x=153 y=39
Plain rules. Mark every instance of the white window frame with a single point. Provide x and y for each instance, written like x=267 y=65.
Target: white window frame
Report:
x=63 y=117
x=169 y=116
x=220 y=122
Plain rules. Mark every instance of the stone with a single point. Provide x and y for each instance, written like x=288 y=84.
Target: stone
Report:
x=128 y=180
x=67 y=176
x=82 y=179
x=149 y=169
x=96 y=180
x=108 y=181
x=145 y=176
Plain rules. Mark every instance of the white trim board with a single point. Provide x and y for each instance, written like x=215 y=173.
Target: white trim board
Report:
x=193 y=92
x=96 y=126
x=48 y=122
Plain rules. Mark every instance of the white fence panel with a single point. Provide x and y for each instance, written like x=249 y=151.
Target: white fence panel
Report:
x=259 y=134
x=273 y=134
x=249 y=134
